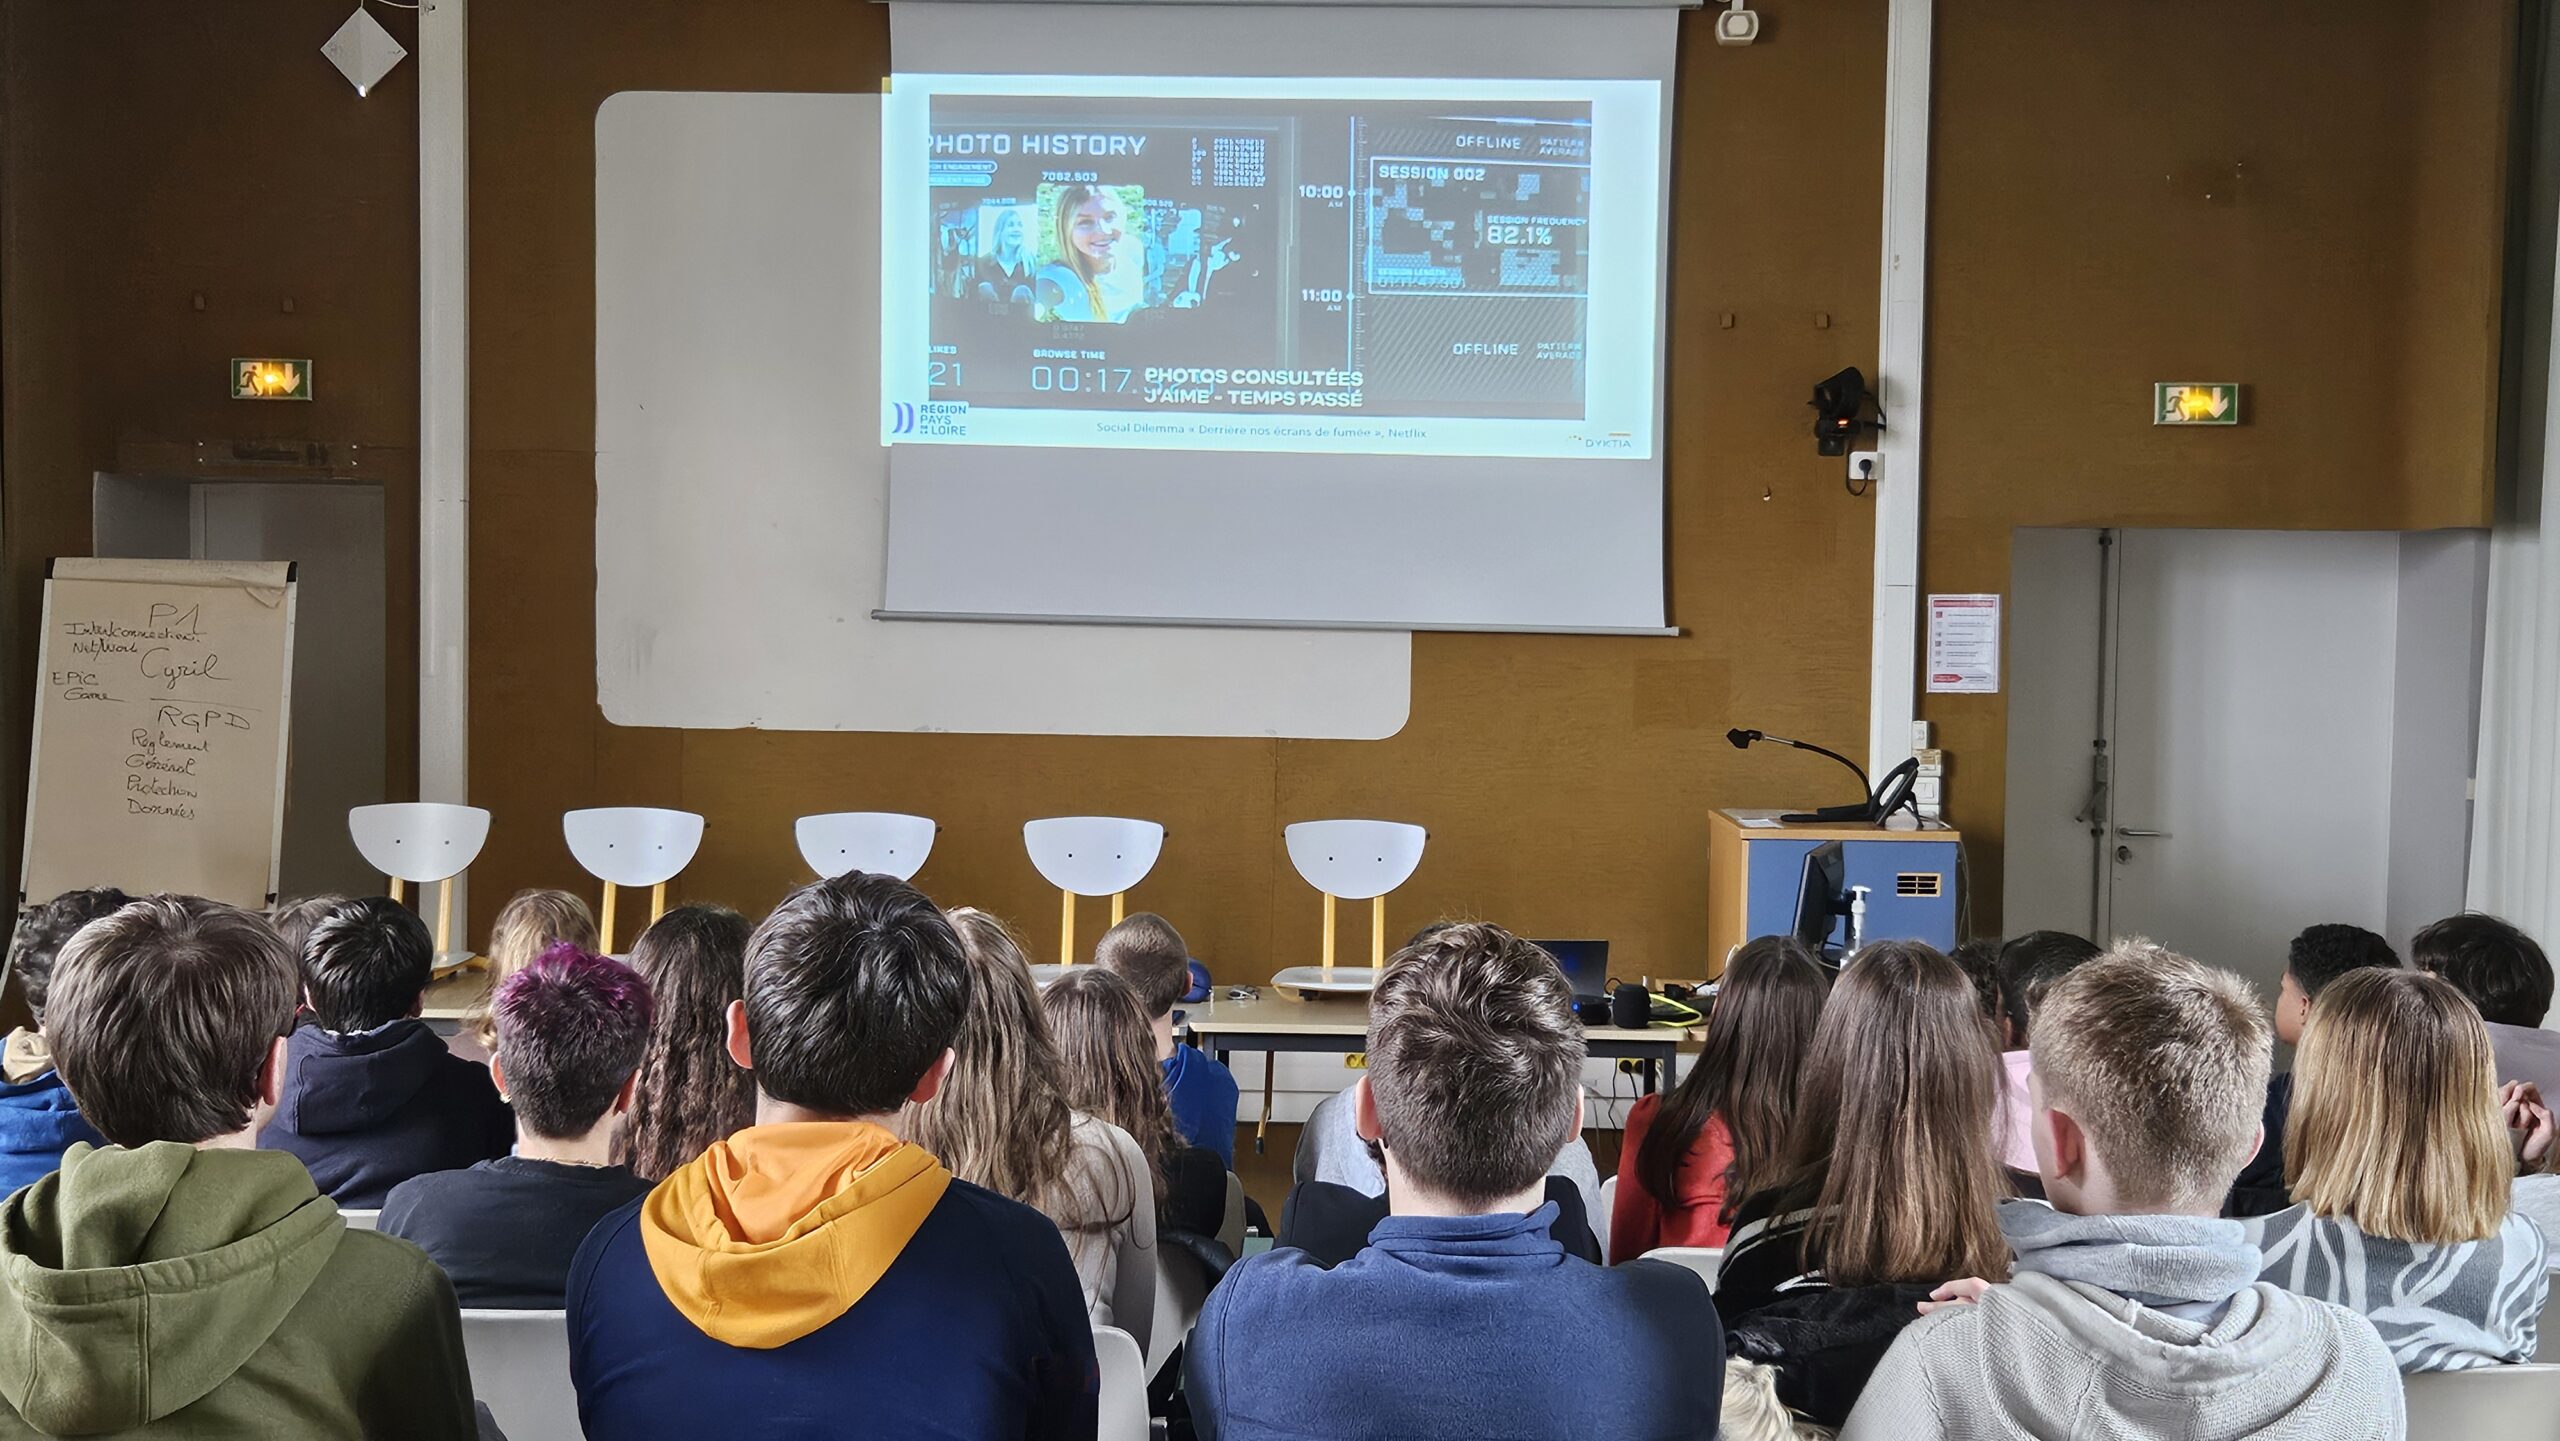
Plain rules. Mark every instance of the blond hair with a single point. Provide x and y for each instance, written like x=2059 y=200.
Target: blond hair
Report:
x=531 y=922
x=1000 y=1120
x=2395 y=1123
x=2162 y=1060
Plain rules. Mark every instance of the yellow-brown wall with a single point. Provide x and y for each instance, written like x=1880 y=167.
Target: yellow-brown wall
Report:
x=2348 y=279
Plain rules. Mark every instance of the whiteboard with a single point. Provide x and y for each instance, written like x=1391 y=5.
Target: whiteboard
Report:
x=742 y=491
x=164 y=692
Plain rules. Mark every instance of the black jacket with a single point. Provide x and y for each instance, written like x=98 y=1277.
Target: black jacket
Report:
x=366 y=1110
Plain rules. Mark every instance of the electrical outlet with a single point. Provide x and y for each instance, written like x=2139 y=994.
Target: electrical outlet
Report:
x=1356 y=1061
x=1630 y=1066
x=1919 y=736
x=1865 y=466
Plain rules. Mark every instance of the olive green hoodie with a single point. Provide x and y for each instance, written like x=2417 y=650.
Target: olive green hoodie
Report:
x=168 y=1291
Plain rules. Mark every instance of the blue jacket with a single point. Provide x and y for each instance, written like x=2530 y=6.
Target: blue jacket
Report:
x=1203 y=1094
x=1451 y=1327
x=366 y=1110
x=38 y=1122
x=976 y=1331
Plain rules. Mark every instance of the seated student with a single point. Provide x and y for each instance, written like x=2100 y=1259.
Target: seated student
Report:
x=570 y=1030
x=2506 y=975
x=1683 y=1162
x=1107 y=1070
x=688 y=1093
x=38 y=1118
x=531 y=922
x=1002 y=1121
x=2319 y=955
x=294 y=920
x=1887 y=1185
x=2028 y=968
x=1979 y=959
x=1330 y=1151
x=1148 y=953
x=2401 y=1168
x=179 y=1282
x=814 y=1267
x=2133 y=1309
x=1463 y=1318
x=371 y=1096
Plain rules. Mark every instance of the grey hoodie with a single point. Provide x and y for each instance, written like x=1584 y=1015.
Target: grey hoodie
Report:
x=2054 y=1359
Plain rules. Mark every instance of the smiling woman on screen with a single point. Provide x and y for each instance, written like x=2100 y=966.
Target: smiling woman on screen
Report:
x=1099 y=272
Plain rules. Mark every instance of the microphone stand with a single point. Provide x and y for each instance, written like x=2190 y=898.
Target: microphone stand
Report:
x=1863 y=810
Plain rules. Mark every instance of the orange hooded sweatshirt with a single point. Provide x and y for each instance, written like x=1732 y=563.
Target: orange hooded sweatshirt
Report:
x=779 y=1230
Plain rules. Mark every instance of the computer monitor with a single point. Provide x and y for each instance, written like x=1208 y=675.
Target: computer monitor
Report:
x=1585 y=963
x=1822 y=898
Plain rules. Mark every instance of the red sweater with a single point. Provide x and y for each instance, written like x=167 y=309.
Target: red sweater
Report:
x=1638 y=1224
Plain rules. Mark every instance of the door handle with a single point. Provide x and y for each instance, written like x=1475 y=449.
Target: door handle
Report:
x=2139 y=834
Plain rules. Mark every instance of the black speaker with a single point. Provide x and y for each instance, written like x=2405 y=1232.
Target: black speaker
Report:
x=1631 y=1008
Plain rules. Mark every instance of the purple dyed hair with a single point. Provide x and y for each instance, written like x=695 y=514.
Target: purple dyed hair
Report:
x=571 y=1028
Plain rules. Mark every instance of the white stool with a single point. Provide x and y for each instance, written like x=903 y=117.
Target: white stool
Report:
x=882 y=842
x=1091 y=856
x=1353 y=861
x=631 y=846
x=421 y=841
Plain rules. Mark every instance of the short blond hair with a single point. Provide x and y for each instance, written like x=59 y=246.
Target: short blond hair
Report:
x=2395 y=1123
x=531 y=922
x=2163 y=1061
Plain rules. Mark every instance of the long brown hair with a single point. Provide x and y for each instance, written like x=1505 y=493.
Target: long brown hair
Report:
x=688 y=1093
x=1892 y=1135
x=1765 y=1012
x=2395 y=1120
x=1107 y=1060
x=999 y=1120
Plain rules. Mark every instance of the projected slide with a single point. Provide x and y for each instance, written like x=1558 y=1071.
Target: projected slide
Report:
x=1423 y=267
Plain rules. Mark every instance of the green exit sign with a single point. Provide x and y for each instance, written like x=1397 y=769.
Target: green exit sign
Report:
x=2194 y=402
x=268 y=378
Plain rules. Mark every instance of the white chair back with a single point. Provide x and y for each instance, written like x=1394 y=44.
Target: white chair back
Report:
x=419 y=841
x=520 y=1371
x=1124 y=1386
x=1231 y=1221
x=2512 y=1403
x=1355 y=860
x=361 y=1220
x=1608 y=1208
x=1093 y=855
x=1705 y=1260
x=883 y=842
x=1182 y=1288
x=632 y=845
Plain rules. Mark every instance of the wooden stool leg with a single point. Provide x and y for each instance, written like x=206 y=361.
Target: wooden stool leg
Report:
x=1270 y=1063
x=444 y=919
x=1328 y=935
x=1377 y=936
x=1117 y=898
x=399 y=890
x=604 y=924
x=657 y=902
x=1067 y=928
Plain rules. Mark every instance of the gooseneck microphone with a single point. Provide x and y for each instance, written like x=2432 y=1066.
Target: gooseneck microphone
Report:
x=1864 y=810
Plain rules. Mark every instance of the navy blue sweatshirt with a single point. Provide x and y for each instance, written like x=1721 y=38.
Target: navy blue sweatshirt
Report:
x=976 y=1331
x=38 y=1122
x=366 y=1110
x=1451 y=1327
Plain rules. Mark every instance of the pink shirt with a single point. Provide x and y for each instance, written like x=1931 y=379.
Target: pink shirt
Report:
x=2017 y=1115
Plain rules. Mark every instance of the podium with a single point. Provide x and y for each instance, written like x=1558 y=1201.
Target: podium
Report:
x=1755 y=863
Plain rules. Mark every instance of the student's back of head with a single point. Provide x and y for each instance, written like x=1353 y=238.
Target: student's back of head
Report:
x=2500 y=968
x=854 y=988
x=41 y=933
x=999 y=1119
x=165 y=1016
x=1767 y=1005
x=367 y=963
x=571 y=1027
x=530 y=923
x=1475 y=1064
x=2029 y=966
x=1979 y=959
x=2161 y=1063
x=296 y=919
x=1106 y=1049
x=1147 y=952
x=688 y=1092
x=2395 y=1123
x=1892 y=1136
